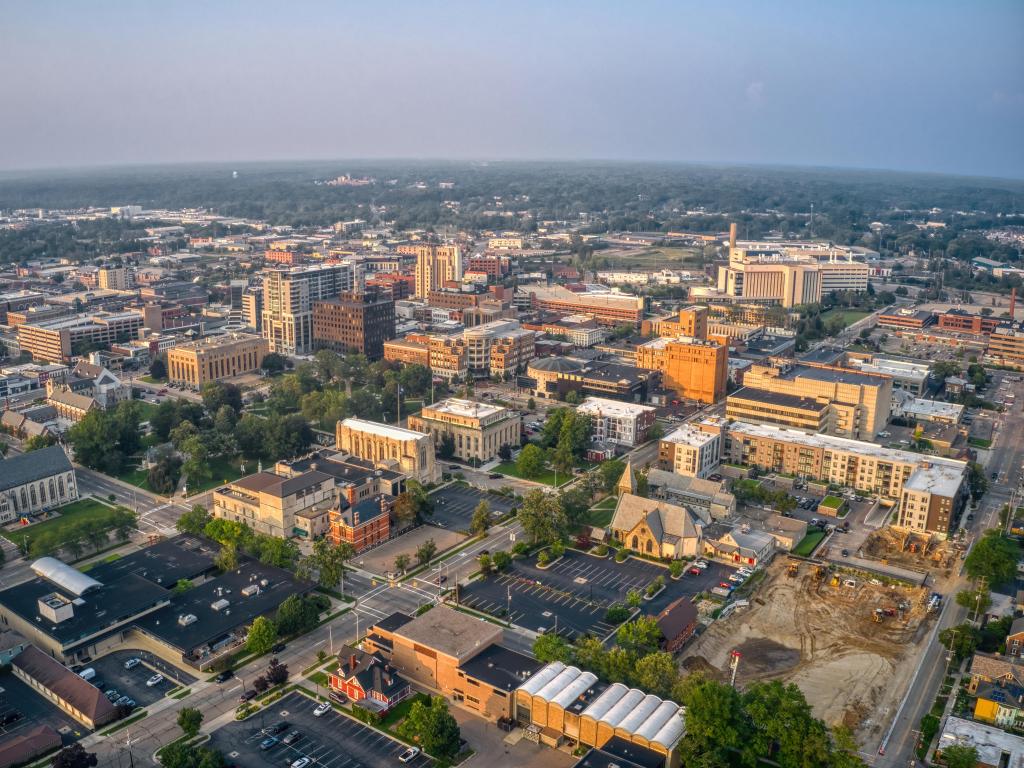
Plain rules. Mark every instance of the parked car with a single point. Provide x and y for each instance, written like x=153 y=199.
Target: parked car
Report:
x=737 y=577
x=321 y=709
x=702 y=564
x=268 y=743
x=338 y=696
x=278 y=647
x=227 y=674
x=112 y=694
x=291 y=738
x=278 y=728
x=695 y=571
x=302 y=762
x=494 y=475
x=155 y=680
x=132 y=663
x=726 y=585
x=247 y=696
x=409 y=755
x=845 y=553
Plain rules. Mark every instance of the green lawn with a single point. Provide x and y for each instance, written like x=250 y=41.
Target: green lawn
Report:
x=810 y=541
x=83 y=510
x=600 y=515
x=223 y=470
x=398 y=713
x=832 y=502
x=146 y=409
x=848 y=316
x=547 y=477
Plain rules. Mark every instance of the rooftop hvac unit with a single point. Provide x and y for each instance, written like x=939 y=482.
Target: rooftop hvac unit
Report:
x=188 y=618
x=250 y=590
x=219 y=605
x=264 y=583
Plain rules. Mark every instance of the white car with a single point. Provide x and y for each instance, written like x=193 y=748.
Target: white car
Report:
x=321 y=709
x=132 y=663
x=302 y=762
x=155 y=680
x=702 y=564
x=745 y=572
x=737 y=578
x=409 y=755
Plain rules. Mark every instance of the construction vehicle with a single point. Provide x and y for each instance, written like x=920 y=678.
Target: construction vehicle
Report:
x=876 y=615
x=835 y=580
x=793 y=570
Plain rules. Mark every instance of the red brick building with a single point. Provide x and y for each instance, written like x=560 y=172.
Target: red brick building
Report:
x=495 y=267
x=280 y=256
x=964 y=322
x=677 y=623
x=400 y=286
x=363 y=524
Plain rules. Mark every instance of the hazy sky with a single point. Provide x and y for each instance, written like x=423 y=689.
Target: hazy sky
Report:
x=932 y=85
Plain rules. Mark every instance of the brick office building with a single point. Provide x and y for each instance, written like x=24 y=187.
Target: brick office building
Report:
x=354 y=323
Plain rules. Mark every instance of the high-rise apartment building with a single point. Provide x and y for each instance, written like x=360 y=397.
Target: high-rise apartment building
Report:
x=692 y=321
x=693 y=368
x=500 y=348
x=252 y=308
x=436 y=265
x=115 y=278
x=288 y=298
x=354 y=323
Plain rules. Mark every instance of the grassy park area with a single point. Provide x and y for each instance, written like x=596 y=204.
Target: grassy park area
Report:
x=600 y=515
x=848 y=316
x=76 y=513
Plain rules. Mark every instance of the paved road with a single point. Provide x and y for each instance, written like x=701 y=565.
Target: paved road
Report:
x=1006 y=456
x=374 y=601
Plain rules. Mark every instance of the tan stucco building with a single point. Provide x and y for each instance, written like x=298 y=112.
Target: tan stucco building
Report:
x=859 y=402
x=278 y=506
x=215 y=358
x=389 y=447
x=479 y=430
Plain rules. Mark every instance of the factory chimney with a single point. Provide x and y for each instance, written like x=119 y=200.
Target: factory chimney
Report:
x=1013 y=304
x=732 y=235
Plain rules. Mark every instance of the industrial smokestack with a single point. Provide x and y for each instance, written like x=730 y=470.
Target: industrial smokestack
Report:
x=1013 y=303
x=732 y=235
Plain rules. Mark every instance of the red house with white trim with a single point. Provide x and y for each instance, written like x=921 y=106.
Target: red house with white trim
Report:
x=369 y=679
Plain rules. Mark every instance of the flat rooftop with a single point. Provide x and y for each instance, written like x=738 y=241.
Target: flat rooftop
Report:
x=450 y=632
x=210 y=624
x=383 y=430
x=664 y=341
x=992 y=743
x=778 y=398
x=616 y=409
x=180 y=557
x=466 y=408
x=933 y=474
x=834 y=375
x=501 y=668
x=688 y=434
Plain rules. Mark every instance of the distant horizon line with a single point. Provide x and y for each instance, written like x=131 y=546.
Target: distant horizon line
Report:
x=16 y=172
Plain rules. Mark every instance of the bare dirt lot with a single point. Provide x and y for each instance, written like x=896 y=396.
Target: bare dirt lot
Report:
x=913 y=550
x=823 y=637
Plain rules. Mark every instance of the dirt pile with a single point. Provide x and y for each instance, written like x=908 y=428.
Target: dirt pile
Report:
x=832 y=637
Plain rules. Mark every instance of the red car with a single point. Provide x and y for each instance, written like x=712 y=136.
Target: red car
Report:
x=695 y=571
x=725 y=585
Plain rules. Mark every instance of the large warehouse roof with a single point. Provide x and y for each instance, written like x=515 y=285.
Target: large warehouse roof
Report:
x=639 y=714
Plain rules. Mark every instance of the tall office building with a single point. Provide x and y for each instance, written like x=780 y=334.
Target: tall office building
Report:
x=354 y=323
x=288 y=298
x=115 y=278
x=252 y=308
x=693 y=368
x=435 y=265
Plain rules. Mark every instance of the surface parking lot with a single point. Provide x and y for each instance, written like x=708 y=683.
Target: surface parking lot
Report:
x=331 y=741
x=132 y=682
x=572 y=596
x=454 y=505
x=25 y=709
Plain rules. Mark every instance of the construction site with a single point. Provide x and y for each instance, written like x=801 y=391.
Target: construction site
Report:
x=848 y=641
x=910 y=549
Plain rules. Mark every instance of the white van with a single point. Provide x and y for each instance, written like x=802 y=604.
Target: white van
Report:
x=87 y=674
